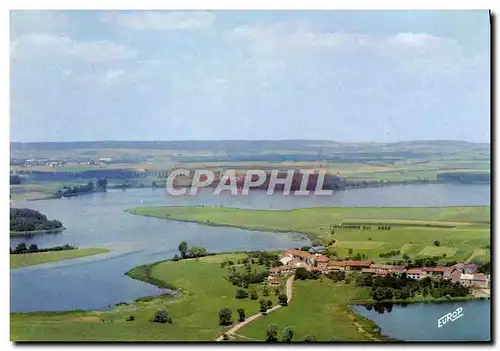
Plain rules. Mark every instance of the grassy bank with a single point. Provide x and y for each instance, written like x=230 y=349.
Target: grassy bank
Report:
x=24 y=260
x=462 y=232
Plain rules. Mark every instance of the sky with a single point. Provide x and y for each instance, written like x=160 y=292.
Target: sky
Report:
x=347 y=76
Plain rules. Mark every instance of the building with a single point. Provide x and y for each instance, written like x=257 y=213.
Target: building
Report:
x=275 y=271
x=335 y=266
x=317 y=249
x=322 y=262
x=274 y=282
x=480 y=281
x=285 y=259
x=302 y=256
x=437 y=271
x=454 y=276
x=466 y=279
x=357 y=265
x=466 y=268
x=416 y=273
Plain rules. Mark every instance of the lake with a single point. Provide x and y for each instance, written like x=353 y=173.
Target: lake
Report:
x=419 y=321
x=99 y=220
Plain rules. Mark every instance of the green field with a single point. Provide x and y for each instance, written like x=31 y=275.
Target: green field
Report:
x=23 y=260
x=469 y=227
x=320 y=308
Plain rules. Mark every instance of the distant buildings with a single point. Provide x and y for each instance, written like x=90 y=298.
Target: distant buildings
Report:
x=463 y=273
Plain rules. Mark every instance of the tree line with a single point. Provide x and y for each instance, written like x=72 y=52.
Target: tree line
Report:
x=23 y=249
x=27 y=220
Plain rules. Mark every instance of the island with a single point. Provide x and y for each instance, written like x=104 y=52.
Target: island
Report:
x=25 y=221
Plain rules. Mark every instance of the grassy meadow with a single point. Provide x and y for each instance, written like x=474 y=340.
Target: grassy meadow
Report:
x=461 y=231
x=30 y=259
x=320 y=308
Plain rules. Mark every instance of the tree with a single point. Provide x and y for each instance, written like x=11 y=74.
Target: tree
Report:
x=283 y=300
x=436 y=242
x=406 y=257
x=241 y=294
x=225 y=316
x=183 y=248
x=33 y=248
x=263 y=306
x=349 y=251
x=162 y=316
x=265 y=291
x=269 y=303
x=176 y=258
x=272 y=333
x=130 y=318
x=301 y=273
x=310 y=338
x=21 y=247
x=241 y=314
x=254 y=295
x=305 y=248
x=287 y=335
x=196 y=251
x=277 y=291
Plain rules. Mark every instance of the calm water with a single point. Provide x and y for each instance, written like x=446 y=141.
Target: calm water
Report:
x=418 y=322
x=99 y=220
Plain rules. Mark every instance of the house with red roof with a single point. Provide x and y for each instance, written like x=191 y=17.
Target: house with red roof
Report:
x=357 y=265
x=322 y=262
x=416 y=273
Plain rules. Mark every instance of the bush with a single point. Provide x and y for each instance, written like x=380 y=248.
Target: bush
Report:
x=241 y=294
x=241 y=314
x=265 y=291
x=225 y=316
x=176 y=258
x=272 y=333
x=283 y=300
x=162 y=316
x=130 y=318
x=287 y=335
x=436 y=242
x=254 y=295
x=277 y=291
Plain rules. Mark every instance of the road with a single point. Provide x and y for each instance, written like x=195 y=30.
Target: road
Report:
x=289 y=291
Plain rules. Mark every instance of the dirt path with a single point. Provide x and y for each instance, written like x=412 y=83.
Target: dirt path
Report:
x=289 y=291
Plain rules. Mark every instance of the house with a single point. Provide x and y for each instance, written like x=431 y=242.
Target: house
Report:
x=274 y=282
x=448 y=273
x=455 y=276
x=416 y=273
x=480 y=280
x=302 y=255
x=466 y=279
x=322 y=261
x=335 y=266
x=370 y=271
x=466 y=268
x=357 y=265
x=285 y=259
x=296 y=263
x=275 y=271
x=436 y=271
x=317 y=249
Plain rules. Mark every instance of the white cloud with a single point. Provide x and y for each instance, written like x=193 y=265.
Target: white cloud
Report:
x=33 y=44
x=292 y=38
x=160 y=20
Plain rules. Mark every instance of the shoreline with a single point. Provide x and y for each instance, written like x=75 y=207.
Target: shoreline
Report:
x=38 y=232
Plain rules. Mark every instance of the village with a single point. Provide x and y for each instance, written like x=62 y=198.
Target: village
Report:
x=463 y=273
